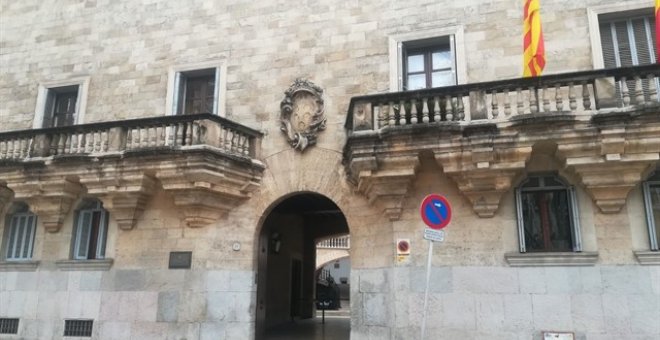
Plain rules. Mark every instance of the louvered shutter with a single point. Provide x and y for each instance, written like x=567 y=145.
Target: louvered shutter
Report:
x=629 y=42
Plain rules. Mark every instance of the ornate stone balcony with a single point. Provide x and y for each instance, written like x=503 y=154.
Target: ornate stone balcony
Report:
x=209 y=164
x=605 y=124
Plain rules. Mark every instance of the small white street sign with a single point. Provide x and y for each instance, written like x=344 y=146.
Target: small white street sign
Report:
x=434 y=235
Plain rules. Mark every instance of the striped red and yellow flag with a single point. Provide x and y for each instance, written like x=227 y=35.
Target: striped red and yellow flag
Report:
x=534 y=51
x=657 y=31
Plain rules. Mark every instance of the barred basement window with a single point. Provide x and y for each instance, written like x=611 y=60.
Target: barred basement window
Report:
x=78 y=327
x=547 y=215
x=8 y=326
x=652 y=204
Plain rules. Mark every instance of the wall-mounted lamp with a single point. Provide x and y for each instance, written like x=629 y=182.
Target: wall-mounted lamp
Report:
x=275 y=243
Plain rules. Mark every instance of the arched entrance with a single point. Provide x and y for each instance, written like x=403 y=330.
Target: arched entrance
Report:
x=286 y=281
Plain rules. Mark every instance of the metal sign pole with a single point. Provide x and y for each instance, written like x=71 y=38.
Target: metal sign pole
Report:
x=426 y=290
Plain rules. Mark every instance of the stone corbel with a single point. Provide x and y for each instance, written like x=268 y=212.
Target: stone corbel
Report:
x=608 y=181
x=484 y=174
x=124 y=195
x=388 y=185
x=205 y=195
x=610 y=169
x=49 y=199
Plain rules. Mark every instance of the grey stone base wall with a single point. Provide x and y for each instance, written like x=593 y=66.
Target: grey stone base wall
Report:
x=602 y=302
x=132 y=304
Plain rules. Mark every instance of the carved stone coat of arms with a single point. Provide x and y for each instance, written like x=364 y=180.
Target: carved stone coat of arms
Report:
x=302 y=114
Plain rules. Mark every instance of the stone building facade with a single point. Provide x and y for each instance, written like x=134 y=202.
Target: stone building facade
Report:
x=138 y=135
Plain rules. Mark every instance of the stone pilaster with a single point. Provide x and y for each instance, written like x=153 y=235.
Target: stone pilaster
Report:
x=5 y=197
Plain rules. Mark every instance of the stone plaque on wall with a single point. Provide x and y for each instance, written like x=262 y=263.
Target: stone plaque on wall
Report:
x=180 y=260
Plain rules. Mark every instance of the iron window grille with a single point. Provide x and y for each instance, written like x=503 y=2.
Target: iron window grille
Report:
x=78 y=327
x=548 y=216
x=8 y=326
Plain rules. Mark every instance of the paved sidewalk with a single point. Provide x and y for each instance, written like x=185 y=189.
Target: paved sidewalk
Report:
x=337 y=327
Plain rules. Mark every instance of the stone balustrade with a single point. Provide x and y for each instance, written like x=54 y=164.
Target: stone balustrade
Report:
x=131 y=135
x=578 y=92
x=207 y=163
x=603 y=126
x=341 y=242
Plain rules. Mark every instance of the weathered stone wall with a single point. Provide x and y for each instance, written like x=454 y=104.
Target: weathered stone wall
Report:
x=127 y=48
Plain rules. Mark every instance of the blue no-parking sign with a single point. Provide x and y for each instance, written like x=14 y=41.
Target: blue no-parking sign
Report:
x=435 y=211
x=436 y=214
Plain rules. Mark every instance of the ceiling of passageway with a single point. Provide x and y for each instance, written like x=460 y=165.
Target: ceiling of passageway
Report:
x=319 y=212
x=307 y=203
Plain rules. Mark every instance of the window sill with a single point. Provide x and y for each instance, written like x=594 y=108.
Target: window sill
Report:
x=80 y=265
x=647 y=257
x=18 y=266
x=551 y=259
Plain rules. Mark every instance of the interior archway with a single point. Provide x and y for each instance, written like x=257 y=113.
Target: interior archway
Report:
x=286 y=282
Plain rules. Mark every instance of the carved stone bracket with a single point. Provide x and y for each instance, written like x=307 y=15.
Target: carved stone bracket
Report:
x=484 y=174
x=50 y=199
x=612 y=168
x=205 y=193
x=302 y=114
x=124 y=195
x=608 y=182
x=388 y=184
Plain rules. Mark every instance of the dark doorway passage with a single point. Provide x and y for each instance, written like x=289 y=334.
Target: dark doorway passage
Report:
x=286 y=280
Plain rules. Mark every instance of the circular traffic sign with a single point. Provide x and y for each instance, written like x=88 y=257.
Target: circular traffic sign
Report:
x=435 y=211
x=403 y=246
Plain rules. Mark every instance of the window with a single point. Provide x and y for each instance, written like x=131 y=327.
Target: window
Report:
x=651 y=189
x=78 y=327
x=428 y=63
x=8 y=326
x=196 y=92
x=61 y=106
x=628 y=39
x=547 y=215
x=90 y=231
x=427 y=58
x=19 y=233
x=61 y=103
x=196 y=88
